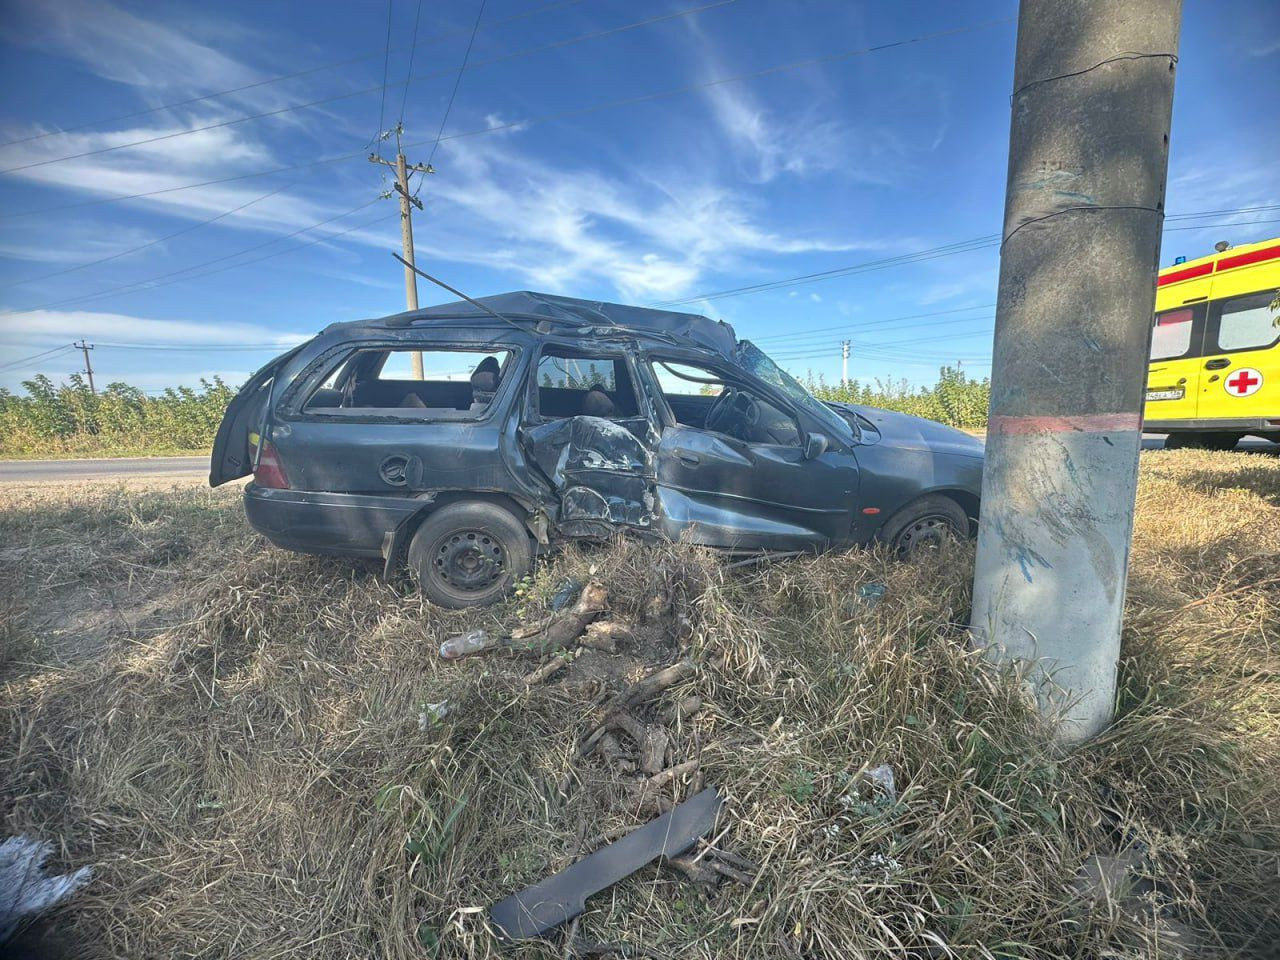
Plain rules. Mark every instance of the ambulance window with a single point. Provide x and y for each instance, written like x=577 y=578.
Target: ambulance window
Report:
x=1172 y=335
x=1248 y=323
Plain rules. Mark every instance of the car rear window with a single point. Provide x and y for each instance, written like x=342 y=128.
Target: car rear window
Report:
x=1248 y=323
x=455 y=384
x=1171 y=337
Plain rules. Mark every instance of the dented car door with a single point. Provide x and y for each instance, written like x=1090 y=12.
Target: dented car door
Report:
x=788 y=493
x=592 y=441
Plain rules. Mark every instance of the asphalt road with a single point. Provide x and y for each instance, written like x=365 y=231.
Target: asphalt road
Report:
x=36 y=471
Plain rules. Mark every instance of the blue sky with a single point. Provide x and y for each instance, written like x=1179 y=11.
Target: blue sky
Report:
x=547 y=179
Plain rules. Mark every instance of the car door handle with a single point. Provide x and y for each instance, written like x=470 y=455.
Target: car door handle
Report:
x=1218 y=364
x=687 y=458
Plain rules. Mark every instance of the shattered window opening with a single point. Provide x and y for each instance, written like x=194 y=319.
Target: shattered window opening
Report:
x=754 y=360
x=573 y=384
x=457 y=383
x=702 y=398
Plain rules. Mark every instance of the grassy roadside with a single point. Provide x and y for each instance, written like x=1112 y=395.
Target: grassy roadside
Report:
x=242 y=741
x=105 y=452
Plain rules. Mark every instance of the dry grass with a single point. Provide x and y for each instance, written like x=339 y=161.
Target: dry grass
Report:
x=240 y=752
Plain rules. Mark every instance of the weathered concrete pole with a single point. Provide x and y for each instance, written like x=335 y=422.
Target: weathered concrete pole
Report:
x=1088 y=150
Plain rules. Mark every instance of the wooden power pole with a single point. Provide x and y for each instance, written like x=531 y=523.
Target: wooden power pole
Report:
x=88 y=367
x=1084 y=207
x=407 y=202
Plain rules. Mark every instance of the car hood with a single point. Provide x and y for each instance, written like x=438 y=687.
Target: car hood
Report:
x=917 y=433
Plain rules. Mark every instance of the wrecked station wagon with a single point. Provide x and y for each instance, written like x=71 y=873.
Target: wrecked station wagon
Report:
x=463 y=439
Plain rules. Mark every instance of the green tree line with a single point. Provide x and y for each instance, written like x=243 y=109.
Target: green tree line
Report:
x=955 y=399
x=69 y=420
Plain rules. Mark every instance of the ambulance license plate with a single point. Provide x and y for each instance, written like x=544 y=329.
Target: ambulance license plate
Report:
x=1176 y=394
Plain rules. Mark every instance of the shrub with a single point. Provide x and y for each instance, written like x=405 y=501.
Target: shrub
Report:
x=954 y=400
x=69 y=419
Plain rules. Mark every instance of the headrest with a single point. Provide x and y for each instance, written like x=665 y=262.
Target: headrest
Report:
x=485 y=376
x=597 y=403
x=325 y=397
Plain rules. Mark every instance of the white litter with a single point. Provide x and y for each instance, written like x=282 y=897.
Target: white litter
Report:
x=25 y=891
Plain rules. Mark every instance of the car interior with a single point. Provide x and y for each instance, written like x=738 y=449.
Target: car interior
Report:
x=381 y=380
x=581 y=385
x=701 y=398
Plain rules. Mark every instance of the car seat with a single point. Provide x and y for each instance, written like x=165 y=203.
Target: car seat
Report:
x=597 y=403
x=484 y=382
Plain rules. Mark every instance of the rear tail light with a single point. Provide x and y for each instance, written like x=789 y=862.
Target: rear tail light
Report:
x=270 y=469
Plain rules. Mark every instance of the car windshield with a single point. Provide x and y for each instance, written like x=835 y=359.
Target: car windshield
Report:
x=754 y=360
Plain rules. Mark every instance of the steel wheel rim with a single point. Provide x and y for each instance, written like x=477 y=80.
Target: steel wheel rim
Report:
x=470 y=561
x=926 y=532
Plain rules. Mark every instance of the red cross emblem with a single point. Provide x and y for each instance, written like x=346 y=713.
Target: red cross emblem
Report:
x=1243 y=382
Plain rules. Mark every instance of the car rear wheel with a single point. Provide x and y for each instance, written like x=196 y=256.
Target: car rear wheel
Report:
x=924 y=524
x=469 y=554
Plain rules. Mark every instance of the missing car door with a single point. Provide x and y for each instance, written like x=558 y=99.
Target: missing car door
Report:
x=586 y=434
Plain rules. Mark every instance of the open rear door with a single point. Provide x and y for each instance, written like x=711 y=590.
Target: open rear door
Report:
x=233 y=453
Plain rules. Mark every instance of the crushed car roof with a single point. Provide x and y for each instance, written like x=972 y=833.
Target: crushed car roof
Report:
x=529 y=306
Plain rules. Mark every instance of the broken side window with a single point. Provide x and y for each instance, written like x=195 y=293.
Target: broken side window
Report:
x=573 y=384
x=703 y=398
x=456 y=384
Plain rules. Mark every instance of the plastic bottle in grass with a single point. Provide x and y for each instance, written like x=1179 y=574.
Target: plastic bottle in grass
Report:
x=473 y=641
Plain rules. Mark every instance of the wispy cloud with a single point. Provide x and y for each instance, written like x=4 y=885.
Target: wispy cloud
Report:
x=47 y=327
x=158 y=60
x=647 y=236
x=767 y=147
x=77 y=243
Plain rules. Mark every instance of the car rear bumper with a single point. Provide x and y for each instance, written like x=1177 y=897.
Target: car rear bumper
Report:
x=1199 y=425
x=345 y=524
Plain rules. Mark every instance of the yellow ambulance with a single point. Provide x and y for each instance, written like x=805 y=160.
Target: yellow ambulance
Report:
x=1215 y=349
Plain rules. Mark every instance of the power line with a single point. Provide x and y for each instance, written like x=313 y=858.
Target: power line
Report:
x=152 y=243
x=186 y=186
x=543 y=118
x=706 y=84
x=1231 y=211
x=1214 y=226
x=201 y=347
x=351 y=156
x=151 y=281
x=931 y=253
x=413 y=49
x=10 y=364
x=863 y=344
x=380 y=88
x=278 y=79
x=386 y=61
x=844 y=327
x=457 y=82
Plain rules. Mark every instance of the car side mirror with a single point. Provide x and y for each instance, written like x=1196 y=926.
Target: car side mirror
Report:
x=815 y=445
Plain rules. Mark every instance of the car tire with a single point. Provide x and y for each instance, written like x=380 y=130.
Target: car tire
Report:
x=469 y=554
x=923 y=523
x=1201 y=441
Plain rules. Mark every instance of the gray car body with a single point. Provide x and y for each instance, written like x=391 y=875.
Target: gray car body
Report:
x=361 y=481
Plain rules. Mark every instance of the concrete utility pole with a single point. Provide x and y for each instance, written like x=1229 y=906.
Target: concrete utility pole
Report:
x=1088 y=151
x=844 y=362
x=88 y=367
x=407 y=202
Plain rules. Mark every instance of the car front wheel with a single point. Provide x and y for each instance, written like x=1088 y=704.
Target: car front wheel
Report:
x=469 y=554
x=924 y=524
